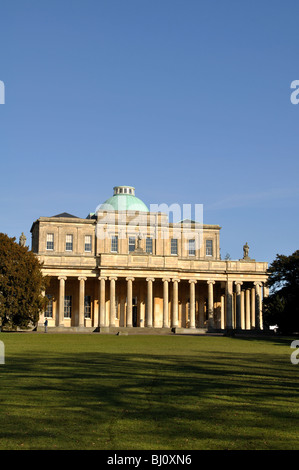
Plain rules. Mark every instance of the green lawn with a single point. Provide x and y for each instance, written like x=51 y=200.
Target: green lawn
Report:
x=67 y=391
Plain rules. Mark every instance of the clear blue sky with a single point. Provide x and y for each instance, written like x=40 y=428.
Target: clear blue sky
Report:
x=187 y=100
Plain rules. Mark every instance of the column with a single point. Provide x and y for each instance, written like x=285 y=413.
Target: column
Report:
x=165 y=303
x=192 y=303
x=222 y=314
x=247 y=309
x=129 y=317
x=81 y=300
x=62 y=280
x=175 y=303
x=229 y=304
x=102 y=302
x=149 y=322
x=112 y=300
x=238 y=304
x=257 y=305
x=210 y=304
x=252 y=307
x=242 y=309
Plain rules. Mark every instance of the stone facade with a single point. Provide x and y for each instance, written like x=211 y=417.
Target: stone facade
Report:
x=109 y=271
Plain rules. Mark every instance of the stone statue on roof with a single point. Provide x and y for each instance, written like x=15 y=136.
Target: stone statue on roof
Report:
x=22 y=240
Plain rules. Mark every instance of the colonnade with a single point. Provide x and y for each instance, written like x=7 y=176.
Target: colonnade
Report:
x=240 y=302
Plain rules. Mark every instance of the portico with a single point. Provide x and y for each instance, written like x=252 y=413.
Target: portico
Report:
x=106 y=273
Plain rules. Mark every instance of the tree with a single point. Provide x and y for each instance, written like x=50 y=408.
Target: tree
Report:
x=282 y=305
x=21 y=285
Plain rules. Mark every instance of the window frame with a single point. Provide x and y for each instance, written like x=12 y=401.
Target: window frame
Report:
x=50 y=241
x=210 y=248
x=130 y=244
x=191 y=247
x=149 y=245
x=49 y=310
x=67 y=311
x=87 y=307
x=114 y=243
x=87 y=244
x=172 y=248
x=68 y=243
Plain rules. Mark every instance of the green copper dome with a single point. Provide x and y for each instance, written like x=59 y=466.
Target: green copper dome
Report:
x=124 y=199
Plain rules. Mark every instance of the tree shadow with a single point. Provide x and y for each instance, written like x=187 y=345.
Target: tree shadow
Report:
x=152 y=401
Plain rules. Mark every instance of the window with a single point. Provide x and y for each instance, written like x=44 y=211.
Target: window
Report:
x=69 y=243
x=114 y=244
x=49 y=310
x=174 y=246
x=87 y=306
x=87 y=243
x=67 y=306
x=131 y=244
x=50 y=241
x=149 y=245
x=191 y=247
x=209 y=248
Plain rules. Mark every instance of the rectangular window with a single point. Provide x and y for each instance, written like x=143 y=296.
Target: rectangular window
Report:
x=209 y=248
x=131 y=244
x=49 y=310
x=87 y=243
x=50 y=241
x=69 y=243
x=67 y=306
x=114 y=244
x=149 y=245
x=87 y=306
x=191 y=247
x=174 y=246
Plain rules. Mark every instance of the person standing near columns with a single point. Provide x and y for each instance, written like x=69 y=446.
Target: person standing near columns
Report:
x=192 y=303
x=62 y=280
x=129 y=318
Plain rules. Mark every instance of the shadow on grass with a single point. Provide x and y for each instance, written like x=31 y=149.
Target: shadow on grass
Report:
x=146 y=401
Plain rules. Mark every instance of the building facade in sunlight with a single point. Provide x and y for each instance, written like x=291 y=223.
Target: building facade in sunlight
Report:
x=126 y=266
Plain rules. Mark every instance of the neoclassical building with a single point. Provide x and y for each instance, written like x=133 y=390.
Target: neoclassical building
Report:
x=126 y=266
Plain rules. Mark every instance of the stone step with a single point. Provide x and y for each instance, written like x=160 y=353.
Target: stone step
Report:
x=135 y=331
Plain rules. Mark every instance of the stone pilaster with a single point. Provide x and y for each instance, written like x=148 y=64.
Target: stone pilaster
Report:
x=192 y=303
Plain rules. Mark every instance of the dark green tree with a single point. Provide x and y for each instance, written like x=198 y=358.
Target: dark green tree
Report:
x=282 y=305
x=21 y=285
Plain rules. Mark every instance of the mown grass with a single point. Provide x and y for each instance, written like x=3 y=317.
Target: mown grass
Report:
x=90 y=391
